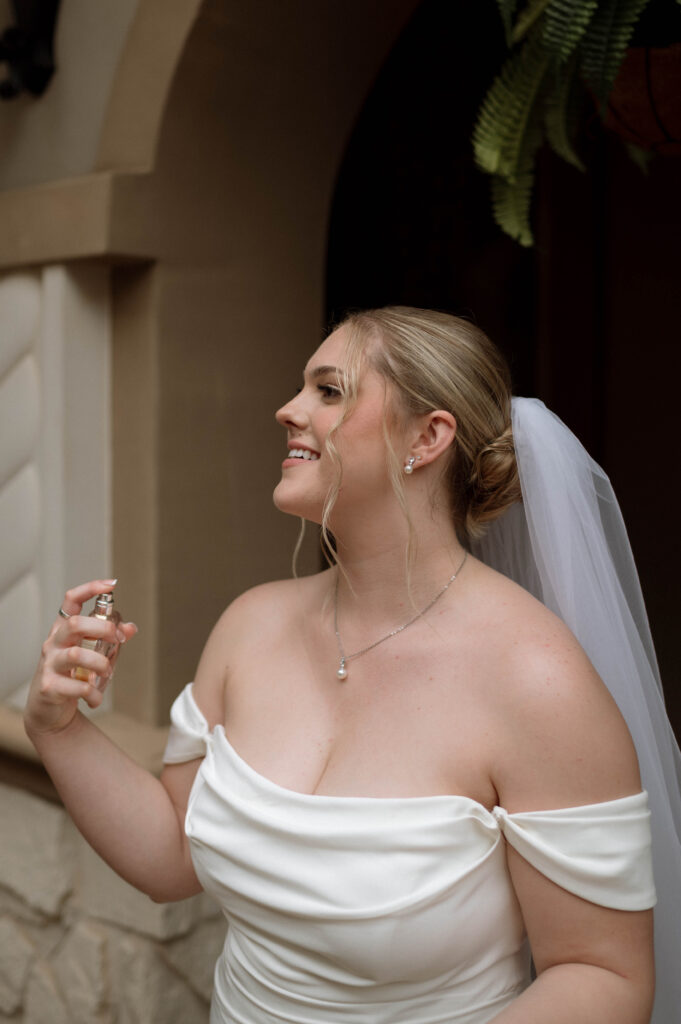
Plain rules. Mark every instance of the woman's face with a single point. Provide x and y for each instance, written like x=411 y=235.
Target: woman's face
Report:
x=307 y=478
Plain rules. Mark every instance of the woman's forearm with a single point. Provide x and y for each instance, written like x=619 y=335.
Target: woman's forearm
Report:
x=123 y=811
x=575 y=993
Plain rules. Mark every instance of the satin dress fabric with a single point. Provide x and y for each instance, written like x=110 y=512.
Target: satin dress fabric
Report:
x=382 y=910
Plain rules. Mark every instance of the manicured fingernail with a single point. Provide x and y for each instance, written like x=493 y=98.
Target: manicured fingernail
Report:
x=121 y=636
x=112 y=582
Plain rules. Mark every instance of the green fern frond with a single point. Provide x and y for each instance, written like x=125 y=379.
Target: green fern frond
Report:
x=527 y=18
x=605 y=43
x=641 y=157
x=565 y=22
x=507 y=11
x=508 y=110
x=511 y=200
x=562 y=113
x=511 y=207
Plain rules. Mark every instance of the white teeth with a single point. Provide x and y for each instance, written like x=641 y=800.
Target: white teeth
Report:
x=302 y=453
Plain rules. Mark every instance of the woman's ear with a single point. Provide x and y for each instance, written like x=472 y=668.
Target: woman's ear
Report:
x=435 y=433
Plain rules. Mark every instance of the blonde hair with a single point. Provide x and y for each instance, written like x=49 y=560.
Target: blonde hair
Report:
x=435 y=361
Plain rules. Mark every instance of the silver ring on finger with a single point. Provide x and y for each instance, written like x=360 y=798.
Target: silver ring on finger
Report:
x=64 y=615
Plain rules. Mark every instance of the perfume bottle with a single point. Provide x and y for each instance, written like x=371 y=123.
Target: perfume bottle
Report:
x=104 y=609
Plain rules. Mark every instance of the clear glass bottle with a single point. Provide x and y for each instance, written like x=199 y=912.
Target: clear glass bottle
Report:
x=104 y=609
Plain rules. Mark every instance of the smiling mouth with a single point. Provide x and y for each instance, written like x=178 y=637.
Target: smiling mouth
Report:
x=302 y=453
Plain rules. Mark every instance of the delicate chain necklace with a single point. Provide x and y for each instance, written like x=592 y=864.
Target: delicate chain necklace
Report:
x=342 y=672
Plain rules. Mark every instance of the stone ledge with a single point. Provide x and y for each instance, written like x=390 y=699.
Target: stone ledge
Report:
x=38 y=221
x=143 y=743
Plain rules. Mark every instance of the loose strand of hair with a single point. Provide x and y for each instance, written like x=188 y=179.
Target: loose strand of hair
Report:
x=349 y=391
x=296 y=550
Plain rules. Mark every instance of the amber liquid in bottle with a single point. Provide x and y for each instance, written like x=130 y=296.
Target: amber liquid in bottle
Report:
x=104 y=609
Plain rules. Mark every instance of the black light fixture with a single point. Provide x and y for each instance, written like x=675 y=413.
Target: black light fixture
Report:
x=26 y=47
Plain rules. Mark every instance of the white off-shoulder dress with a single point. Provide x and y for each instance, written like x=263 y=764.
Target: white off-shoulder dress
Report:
x=382 y=910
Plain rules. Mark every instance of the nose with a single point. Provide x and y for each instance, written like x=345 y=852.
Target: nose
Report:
x=292 y=414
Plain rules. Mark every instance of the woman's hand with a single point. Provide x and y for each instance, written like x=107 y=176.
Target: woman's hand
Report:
x=54 y=694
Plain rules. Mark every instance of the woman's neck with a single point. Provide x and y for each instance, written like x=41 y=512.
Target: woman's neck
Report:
x=376 y=585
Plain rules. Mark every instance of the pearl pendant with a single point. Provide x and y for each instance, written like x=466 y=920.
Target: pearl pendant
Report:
x=342 y=672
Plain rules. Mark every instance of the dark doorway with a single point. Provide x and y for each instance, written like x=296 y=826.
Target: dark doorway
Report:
x=411 y=220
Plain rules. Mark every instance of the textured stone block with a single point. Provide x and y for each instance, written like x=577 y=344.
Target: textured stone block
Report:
x=82 y=968
x=17 y=953
x=194 y=955
x=44 y=999
x=36 y=861
x=147 y=991
x=16 y=908
x=208 y=907
x=102 y=894
x=45 y=937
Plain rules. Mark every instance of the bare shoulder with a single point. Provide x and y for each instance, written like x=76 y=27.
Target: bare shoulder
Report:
x=268 y=605
x=560 y=739
x=266 y=608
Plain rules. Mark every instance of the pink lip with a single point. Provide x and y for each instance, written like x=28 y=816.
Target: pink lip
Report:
x=297 y=462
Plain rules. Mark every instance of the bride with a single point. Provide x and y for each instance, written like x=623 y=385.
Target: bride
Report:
x=402 y=775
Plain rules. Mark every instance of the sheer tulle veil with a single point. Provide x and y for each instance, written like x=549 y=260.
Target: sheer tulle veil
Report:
x=567 y=544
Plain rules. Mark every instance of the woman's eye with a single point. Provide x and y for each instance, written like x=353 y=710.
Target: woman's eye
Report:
x=329 y=391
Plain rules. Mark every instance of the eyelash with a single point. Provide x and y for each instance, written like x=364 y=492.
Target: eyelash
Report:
x=327 y=390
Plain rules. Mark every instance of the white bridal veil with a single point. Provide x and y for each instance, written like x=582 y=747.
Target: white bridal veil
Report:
x=567 y=544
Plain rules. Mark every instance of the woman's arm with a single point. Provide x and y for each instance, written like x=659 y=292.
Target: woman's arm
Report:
x=133 y=820
x=126 y=814
x=594 y=965
x=565 y=745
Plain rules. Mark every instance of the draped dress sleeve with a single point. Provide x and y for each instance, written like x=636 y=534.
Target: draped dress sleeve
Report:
x=600 y=852
x=189 y=736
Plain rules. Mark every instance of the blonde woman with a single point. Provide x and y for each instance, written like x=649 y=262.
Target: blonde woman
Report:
x=401 y=776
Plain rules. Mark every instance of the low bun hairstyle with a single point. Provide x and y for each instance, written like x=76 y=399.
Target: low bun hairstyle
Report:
x=437 y=361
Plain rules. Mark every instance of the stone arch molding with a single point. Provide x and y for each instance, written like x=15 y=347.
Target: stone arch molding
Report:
x=134 y=114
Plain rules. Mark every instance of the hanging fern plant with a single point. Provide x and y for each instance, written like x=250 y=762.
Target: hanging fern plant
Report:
x=558 y=50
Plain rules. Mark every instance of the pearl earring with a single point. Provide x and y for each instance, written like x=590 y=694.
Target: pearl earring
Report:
x=409 y=467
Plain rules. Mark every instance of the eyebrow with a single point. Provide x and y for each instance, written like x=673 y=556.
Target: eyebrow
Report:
x=322 y=371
